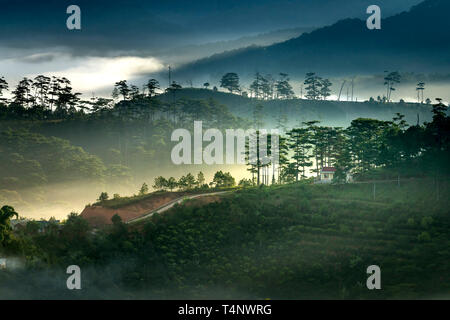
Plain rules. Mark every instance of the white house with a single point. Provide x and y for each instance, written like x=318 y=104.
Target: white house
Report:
x=327 y=174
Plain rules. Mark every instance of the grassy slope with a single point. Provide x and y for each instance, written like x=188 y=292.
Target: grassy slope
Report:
x=303 y=241
x=294 y=241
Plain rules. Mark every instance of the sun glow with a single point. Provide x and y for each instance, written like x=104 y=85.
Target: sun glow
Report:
x=96 y=73
x=87 y=73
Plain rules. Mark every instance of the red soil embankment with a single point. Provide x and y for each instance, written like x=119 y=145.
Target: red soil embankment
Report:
x=99 y=216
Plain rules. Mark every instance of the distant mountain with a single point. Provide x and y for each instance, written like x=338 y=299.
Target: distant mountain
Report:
x=193 y=52
x=144 y=26
x=415 y=41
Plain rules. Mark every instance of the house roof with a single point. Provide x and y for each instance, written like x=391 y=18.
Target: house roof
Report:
x=328 y=169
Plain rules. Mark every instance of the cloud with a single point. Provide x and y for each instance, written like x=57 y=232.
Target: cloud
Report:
x=87 y=74
x=139 y=27
x=92 y=73
x=39 y=58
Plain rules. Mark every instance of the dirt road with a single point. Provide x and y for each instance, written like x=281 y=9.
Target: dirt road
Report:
x=170 y=205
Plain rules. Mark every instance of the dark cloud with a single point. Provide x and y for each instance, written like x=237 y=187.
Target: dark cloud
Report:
x=142 y=27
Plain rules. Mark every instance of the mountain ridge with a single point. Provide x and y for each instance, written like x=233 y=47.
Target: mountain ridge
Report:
x=406 y=42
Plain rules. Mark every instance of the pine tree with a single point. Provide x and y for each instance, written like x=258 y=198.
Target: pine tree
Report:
x=230 y=81
x=144 y=189
x=300 y=145
x=200 y=179
x=313 y=85
x=325 y=90
x=3 y=87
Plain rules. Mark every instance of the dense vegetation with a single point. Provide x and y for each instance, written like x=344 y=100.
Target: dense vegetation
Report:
x=279 y=233
x=288 y=240
x=292 y=241
x=51 y=139
x=54 y=140
x=365 y=146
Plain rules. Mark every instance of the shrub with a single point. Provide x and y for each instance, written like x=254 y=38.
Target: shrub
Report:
x=426 y=222
x=103 y=196
x=424 y=237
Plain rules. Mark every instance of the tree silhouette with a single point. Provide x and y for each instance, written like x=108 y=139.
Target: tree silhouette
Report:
x=3 y=87
x=200 y=179
x=186 y=182
x=262 y=87
x=144 y=189
x=325 y=90
x=6 y=213
x=300 y=145
x=41 y=85
x=390 y=80
x=152 y=85
x=172 y=183
x=313 y=85
x=230 y=81
x=283 y=87
x=103 y=196
x=123 y=89
x=223 y=179
x=160 y=183
x=21 y=95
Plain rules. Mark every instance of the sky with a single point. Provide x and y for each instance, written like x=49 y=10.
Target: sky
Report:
x=123 y=39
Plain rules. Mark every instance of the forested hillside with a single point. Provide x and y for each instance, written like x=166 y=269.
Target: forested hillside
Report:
x=289 y=240
x=54 y=140
x=227 y=150
x=295 y=110
x=281 y=242
x=344 y=48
